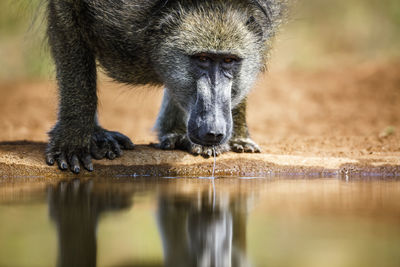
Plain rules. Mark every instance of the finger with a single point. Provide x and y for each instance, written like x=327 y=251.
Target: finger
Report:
x=207 y=153
x=87 y=163
x=196 y=150
x=167 y=145
x=74 y=164
x=238 y=148
x=50 y=158
x=115 y=147
x=111 y=155
x=96 y=152
x=62 y=162
x=248 y=148
x=123 y=140
x=99 y=140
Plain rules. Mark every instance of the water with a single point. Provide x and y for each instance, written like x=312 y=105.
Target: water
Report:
x=200 y=222
x=215 y=163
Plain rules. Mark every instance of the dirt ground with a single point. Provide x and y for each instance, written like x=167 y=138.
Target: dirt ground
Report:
x=351 y=111
x=334 y=110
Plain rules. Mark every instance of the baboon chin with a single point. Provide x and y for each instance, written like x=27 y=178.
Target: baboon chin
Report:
x=206 y=54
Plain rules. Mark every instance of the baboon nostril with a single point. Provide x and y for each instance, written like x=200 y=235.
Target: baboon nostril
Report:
x=213 y=137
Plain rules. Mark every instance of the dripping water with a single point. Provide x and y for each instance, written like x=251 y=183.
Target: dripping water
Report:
x=215 y=160
x=213 y=177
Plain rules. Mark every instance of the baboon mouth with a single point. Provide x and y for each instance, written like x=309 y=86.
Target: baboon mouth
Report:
x=197 y=141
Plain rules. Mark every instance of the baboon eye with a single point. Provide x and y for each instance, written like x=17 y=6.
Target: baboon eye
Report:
x=228 y=60
x=202 y=58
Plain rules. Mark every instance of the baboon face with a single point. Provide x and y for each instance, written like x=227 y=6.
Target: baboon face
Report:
x=208 y=62
x=210 y=116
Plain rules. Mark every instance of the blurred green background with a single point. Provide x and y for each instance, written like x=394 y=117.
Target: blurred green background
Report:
x=23 y=46
x=320 y=33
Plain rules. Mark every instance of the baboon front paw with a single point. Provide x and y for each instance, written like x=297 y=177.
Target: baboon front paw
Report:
x=246 y=145
x=173 y=141
x=108 y=144
x=208 y=151
x=69 y=155
x=73 y=152
x=180 y=141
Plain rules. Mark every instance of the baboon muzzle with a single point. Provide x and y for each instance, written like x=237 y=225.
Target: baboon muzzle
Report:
x=210 y=120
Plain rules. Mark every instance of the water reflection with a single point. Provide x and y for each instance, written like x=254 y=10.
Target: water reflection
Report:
x=205 y=228
x=148 y=221
x=75 y=210
x=204 y=231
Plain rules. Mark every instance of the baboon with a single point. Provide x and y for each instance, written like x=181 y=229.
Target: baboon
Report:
x=207 y=54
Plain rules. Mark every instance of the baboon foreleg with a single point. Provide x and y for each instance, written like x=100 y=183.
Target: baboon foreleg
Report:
x=77 y=138
x=240 y=141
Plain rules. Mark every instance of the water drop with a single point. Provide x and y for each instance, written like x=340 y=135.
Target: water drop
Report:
x=215 y=161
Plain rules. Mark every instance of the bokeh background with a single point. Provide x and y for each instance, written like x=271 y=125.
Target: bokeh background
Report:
x=320 y=33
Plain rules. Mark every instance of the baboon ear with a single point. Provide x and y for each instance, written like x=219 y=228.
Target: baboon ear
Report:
x=255 y=27
x=168 y=22
x=264 y=9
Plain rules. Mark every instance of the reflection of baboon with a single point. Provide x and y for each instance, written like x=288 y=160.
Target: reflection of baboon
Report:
x=206 y=53
x=198 y=232
x=75 y=210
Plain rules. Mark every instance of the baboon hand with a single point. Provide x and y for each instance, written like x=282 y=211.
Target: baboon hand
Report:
x=246 y=145
x=181 y=141
x=73 y=151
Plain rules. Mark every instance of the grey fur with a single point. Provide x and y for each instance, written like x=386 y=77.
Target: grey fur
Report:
x=156 y=42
